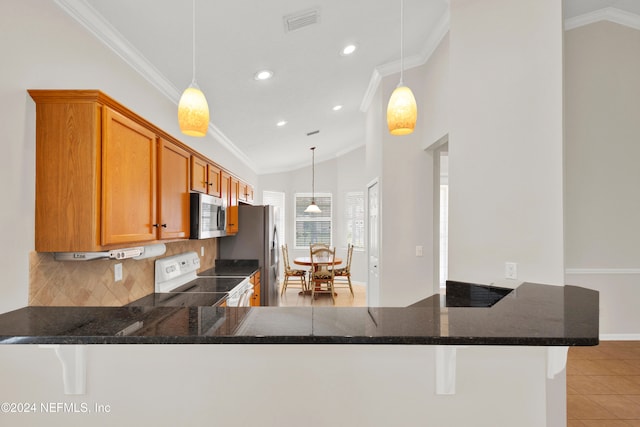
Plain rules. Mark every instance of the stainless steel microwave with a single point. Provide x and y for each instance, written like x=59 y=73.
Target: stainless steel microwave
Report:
x=208 y=216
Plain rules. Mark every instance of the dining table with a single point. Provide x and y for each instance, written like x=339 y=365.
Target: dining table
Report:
x=320 y=262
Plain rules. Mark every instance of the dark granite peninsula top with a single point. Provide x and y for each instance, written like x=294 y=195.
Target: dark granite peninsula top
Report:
x=531 y=315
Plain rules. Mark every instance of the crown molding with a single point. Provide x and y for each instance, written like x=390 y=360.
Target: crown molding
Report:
x=90 y=19
x=433 y=41
x=610 y=14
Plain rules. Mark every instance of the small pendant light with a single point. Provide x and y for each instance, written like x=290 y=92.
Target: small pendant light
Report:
x=193 y=110
x=313 y=208
x=402 y=111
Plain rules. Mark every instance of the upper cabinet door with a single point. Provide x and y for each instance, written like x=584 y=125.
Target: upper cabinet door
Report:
x=199 y=175
x=173 y=194
x=215 y=180
x=205 y=177
x=128 y=180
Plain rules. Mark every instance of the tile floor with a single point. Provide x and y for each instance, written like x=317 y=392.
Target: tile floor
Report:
x=603 y=385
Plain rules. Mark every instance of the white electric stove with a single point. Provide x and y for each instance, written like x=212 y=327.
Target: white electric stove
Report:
x=179 y=274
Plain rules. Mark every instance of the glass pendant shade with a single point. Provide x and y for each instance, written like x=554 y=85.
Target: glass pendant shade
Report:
x=193 y=112
x=402 y=111
x=313 y=208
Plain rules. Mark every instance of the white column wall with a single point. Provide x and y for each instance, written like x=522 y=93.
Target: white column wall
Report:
x=505 y=142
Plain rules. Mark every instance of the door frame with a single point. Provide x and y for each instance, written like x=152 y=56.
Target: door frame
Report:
x=372 y=289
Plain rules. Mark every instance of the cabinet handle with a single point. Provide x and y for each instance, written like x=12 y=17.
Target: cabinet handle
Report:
x=206 y=183
x=211 y=184
x=164 y=225
x=156 y=225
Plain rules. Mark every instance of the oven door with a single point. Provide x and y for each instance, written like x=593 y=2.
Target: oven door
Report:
x=241 y=295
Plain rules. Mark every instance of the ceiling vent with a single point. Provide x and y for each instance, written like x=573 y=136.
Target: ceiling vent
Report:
x=303 y=19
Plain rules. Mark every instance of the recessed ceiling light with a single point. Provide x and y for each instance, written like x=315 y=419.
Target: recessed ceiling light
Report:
x=263 y=75
x=348 y=49
x=281 y=123
x=337 y=108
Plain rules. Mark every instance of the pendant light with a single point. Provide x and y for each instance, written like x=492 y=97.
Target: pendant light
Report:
x=193 y=111
x=402 y=111
x=313 y=208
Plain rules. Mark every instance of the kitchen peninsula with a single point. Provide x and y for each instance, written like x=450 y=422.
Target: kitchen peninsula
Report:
x=530 y=315
x=435 y=356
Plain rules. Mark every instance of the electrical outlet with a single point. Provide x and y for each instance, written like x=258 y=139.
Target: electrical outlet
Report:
x=511 y=270
x=418 y=250
x=201 y=250
x=117 y=272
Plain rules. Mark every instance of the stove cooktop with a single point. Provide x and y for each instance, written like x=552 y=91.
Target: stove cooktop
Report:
x=181 y=299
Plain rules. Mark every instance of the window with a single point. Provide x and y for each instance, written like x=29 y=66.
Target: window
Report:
x=354 y=219
x=310 y=227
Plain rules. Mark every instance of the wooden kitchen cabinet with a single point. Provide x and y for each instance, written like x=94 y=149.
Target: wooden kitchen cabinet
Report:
x=245 y=193
x=173 y=191
x=250 y=194
x=255 y=298
x=106 y=178
x=205 y=177
x=99 y=182
x=234 y=191
x=230 y=195
x=128 y=180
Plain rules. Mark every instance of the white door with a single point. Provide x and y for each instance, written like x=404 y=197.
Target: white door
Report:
x=373 y=245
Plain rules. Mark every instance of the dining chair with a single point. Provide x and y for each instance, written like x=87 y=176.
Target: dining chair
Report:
x=322 y=266
x=343 y=275
x=298 y=276
x=313 y=246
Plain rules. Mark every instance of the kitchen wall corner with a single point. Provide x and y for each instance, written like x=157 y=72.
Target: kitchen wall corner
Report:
x=91 y=283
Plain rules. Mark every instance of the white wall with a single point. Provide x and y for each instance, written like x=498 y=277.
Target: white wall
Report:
x=506 y=140
x=336 y=176
x=43 y=48
x=435 y=104
x=602 y=91
x=405 y=171
x=406 y=204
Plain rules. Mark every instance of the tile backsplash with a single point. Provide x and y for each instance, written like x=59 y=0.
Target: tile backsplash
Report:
x=91 y=283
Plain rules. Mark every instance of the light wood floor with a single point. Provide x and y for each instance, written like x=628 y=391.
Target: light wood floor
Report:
x=344 y=298
x=603 y=385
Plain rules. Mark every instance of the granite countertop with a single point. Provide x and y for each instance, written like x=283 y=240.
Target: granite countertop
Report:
x=532 y=315
x=232 y=267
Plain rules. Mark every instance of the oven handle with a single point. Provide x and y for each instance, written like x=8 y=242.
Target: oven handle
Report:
x=245 y=298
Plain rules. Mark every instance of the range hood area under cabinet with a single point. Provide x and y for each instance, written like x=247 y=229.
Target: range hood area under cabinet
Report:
x=105 y=177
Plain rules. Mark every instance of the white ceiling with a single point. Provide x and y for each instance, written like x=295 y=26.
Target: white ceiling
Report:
x=234 y=39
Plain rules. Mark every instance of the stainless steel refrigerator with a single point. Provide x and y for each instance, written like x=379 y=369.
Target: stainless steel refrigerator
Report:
x=257 y=238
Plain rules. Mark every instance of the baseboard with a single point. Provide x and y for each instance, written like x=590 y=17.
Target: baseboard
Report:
x=619 y=337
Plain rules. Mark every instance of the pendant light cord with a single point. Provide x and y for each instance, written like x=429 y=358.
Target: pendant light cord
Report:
x=193 y=40
x=401 y=42
x=313 y=174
